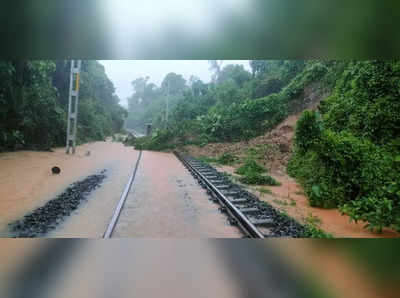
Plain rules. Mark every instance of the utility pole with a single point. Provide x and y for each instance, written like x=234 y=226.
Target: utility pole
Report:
x=73 y=105
x=167 y=109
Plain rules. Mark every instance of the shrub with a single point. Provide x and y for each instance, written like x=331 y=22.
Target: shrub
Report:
x=227 y=159
x=308 y=130
x=258 y=179
x=353 y=161
x=250 y=166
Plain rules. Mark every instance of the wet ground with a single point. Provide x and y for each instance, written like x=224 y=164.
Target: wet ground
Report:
x=26 y=183
x=165 y=201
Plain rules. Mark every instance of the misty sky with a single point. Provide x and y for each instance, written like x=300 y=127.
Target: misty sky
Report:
x=123 y=72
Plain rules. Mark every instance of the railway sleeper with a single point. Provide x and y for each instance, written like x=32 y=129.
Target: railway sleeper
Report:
x=240 y=200
x=223 y=187
x=217 y=182
x=231 y=193
x=266 y=222
x=249 y=210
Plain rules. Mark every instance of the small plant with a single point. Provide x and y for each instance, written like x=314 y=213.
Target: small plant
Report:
x=265 y=190
x=258 y=179
x=312 y=219
x=227 y=159
x=292 y=202
x=312 y=231
x=250 y=166
x=280 y=202
x=253 y=174
x=207 y=159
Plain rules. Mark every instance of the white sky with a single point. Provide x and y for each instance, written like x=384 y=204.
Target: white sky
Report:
x=123 y=72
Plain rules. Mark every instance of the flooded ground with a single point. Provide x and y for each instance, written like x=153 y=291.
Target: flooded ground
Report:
x=166 y=201
x=26 y=183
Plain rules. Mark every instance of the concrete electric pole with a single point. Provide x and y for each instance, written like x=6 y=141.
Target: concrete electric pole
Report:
x=73 y=105
x=167 y=106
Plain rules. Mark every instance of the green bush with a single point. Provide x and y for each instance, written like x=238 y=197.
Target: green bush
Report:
x=227 y=159
x=258 y=179
x=348 y=156
x=308 y=130
x=253 y=173
x=250 y=166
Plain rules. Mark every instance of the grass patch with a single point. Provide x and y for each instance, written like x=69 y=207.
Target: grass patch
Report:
x=207 y=159
x=280 y=202
x=250 y=166
x=227 y=159
x=253 y=173
x=265 y=191
x=312 y=230
x=311 y=219
x=224 y=159
x=258 y=179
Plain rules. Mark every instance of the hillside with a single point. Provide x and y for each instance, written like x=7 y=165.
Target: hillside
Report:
x=344 y=151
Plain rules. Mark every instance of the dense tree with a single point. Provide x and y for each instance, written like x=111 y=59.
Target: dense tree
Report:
x=173 y=84
x=34 y=98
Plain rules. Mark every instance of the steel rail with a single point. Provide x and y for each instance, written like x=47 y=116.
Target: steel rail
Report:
x=118 y=209
x=243 y=222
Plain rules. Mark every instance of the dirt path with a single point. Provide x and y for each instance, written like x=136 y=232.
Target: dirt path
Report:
x=166 y=201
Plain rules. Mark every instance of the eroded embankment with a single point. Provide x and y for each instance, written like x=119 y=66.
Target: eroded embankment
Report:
x=273 y=151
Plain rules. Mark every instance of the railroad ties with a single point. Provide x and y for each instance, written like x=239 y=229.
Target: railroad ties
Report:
x=239 y=206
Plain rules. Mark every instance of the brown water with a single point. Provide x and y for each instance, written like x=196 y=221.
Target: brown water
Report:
x=166 y=201
x=26 y=182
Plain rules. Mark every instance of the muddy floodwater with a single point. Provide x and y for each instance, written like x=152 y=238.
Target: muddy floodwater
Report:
x=26 y=183
x=165 y=200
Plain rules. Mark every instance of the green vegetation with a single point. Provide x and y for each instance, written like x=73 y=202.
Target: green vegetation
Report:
x=34 y=103
x=312 y=231
x=253 y=173
x=252 y=166
x=236 y=105
x=224 y=159
x=347 y=151
x=227 y=159
x=264 y=190
x=347 y=154
x=258 y=179
x=280 y=202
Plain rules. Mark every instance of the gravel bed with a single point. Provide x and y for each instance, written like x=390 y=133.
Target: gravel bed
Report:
x=46 y=218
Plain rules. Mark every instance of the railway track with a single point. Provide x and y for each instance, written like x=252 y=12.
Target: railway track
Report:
x=239 y=208
x=255 y=218
x=120 y=205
